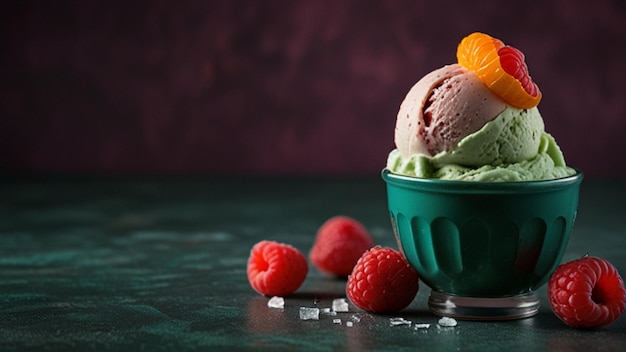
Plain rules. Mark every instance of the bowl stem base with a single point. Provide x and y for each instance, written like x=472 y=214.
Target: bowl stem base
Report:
x=480 y=308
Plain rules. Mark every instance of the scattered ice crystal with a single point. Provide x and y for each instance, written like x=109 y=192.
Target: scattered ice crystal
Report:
x=327 y=311
x=447 y=322
x=340 y=305
x=355 y=318
x=337 y=321
x=349 y=324
x=276 y=302
x=422 y=326
x=307 y=313
x=399 y=321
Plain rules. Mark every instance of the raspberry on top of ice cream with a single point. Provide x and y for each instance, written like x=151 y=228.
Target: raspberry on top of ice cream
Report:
x=501 y=68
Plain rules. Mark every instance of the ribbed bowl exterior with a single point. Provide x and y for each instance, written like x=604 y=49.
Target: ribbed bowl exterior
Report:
x=481 y=239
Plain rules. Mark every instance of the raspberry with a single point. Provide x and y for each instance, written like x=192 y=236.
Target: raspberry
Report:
x=276 y=269
x=382 y=281
x=339 y=243
x=587 y=292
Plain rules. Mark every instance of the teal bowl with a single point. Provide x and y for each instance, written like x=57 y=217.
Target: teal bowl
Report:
x=482 y=240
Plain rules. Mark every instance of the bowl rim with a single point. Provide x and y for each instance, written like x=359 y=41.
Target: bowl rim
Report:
x=427 y=184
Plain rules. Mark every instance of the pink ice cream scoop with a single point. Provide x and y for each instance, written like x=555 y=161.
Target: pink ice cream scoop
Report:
x=441 y=109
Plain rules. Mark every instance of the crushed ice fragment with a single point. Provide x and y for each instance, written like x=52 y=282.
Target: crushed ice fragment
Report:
x=340 y=305
x=421 y=326
x=399 y=321
x=349 y=324
x=337 y=321
x=276 y=302
x=328 y=311
x=355 y=318
x=447 y=322
x=307 y=313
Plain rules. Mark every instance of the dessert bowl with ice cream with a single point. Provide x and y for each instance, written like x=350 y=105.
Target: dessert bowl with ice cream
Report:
x=481 y=200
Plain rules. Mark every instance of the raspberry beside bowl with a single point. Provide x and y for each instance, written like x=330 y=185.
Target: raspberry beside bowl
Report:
x=483 y=248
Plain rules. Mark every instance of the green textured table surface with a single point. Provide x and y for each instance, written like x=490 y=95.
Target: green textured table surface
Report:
x=159 y=264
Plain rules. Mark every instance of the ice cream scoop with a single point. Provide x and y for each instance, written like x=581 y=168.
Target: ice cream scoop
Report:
x=441 y=109
x=476 y=121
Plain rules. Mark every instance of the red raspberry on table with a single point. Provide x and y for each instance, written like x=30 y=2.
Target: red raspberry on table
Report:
x=339 y=243
x=382 y=281
x=276 y=269
x=587 y=292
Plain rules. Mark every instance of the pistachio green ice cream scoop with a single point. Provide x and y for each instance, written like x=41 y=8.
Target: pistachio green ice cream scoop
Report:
x=511 y=147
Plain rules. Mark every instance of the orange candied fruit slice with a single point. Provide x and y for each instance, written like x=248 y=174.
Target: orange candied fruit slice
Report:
x=501 y=68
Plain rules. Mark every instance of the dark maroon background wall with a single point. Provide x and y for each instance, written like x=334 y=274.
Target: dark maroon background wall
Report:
x=280 y=87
